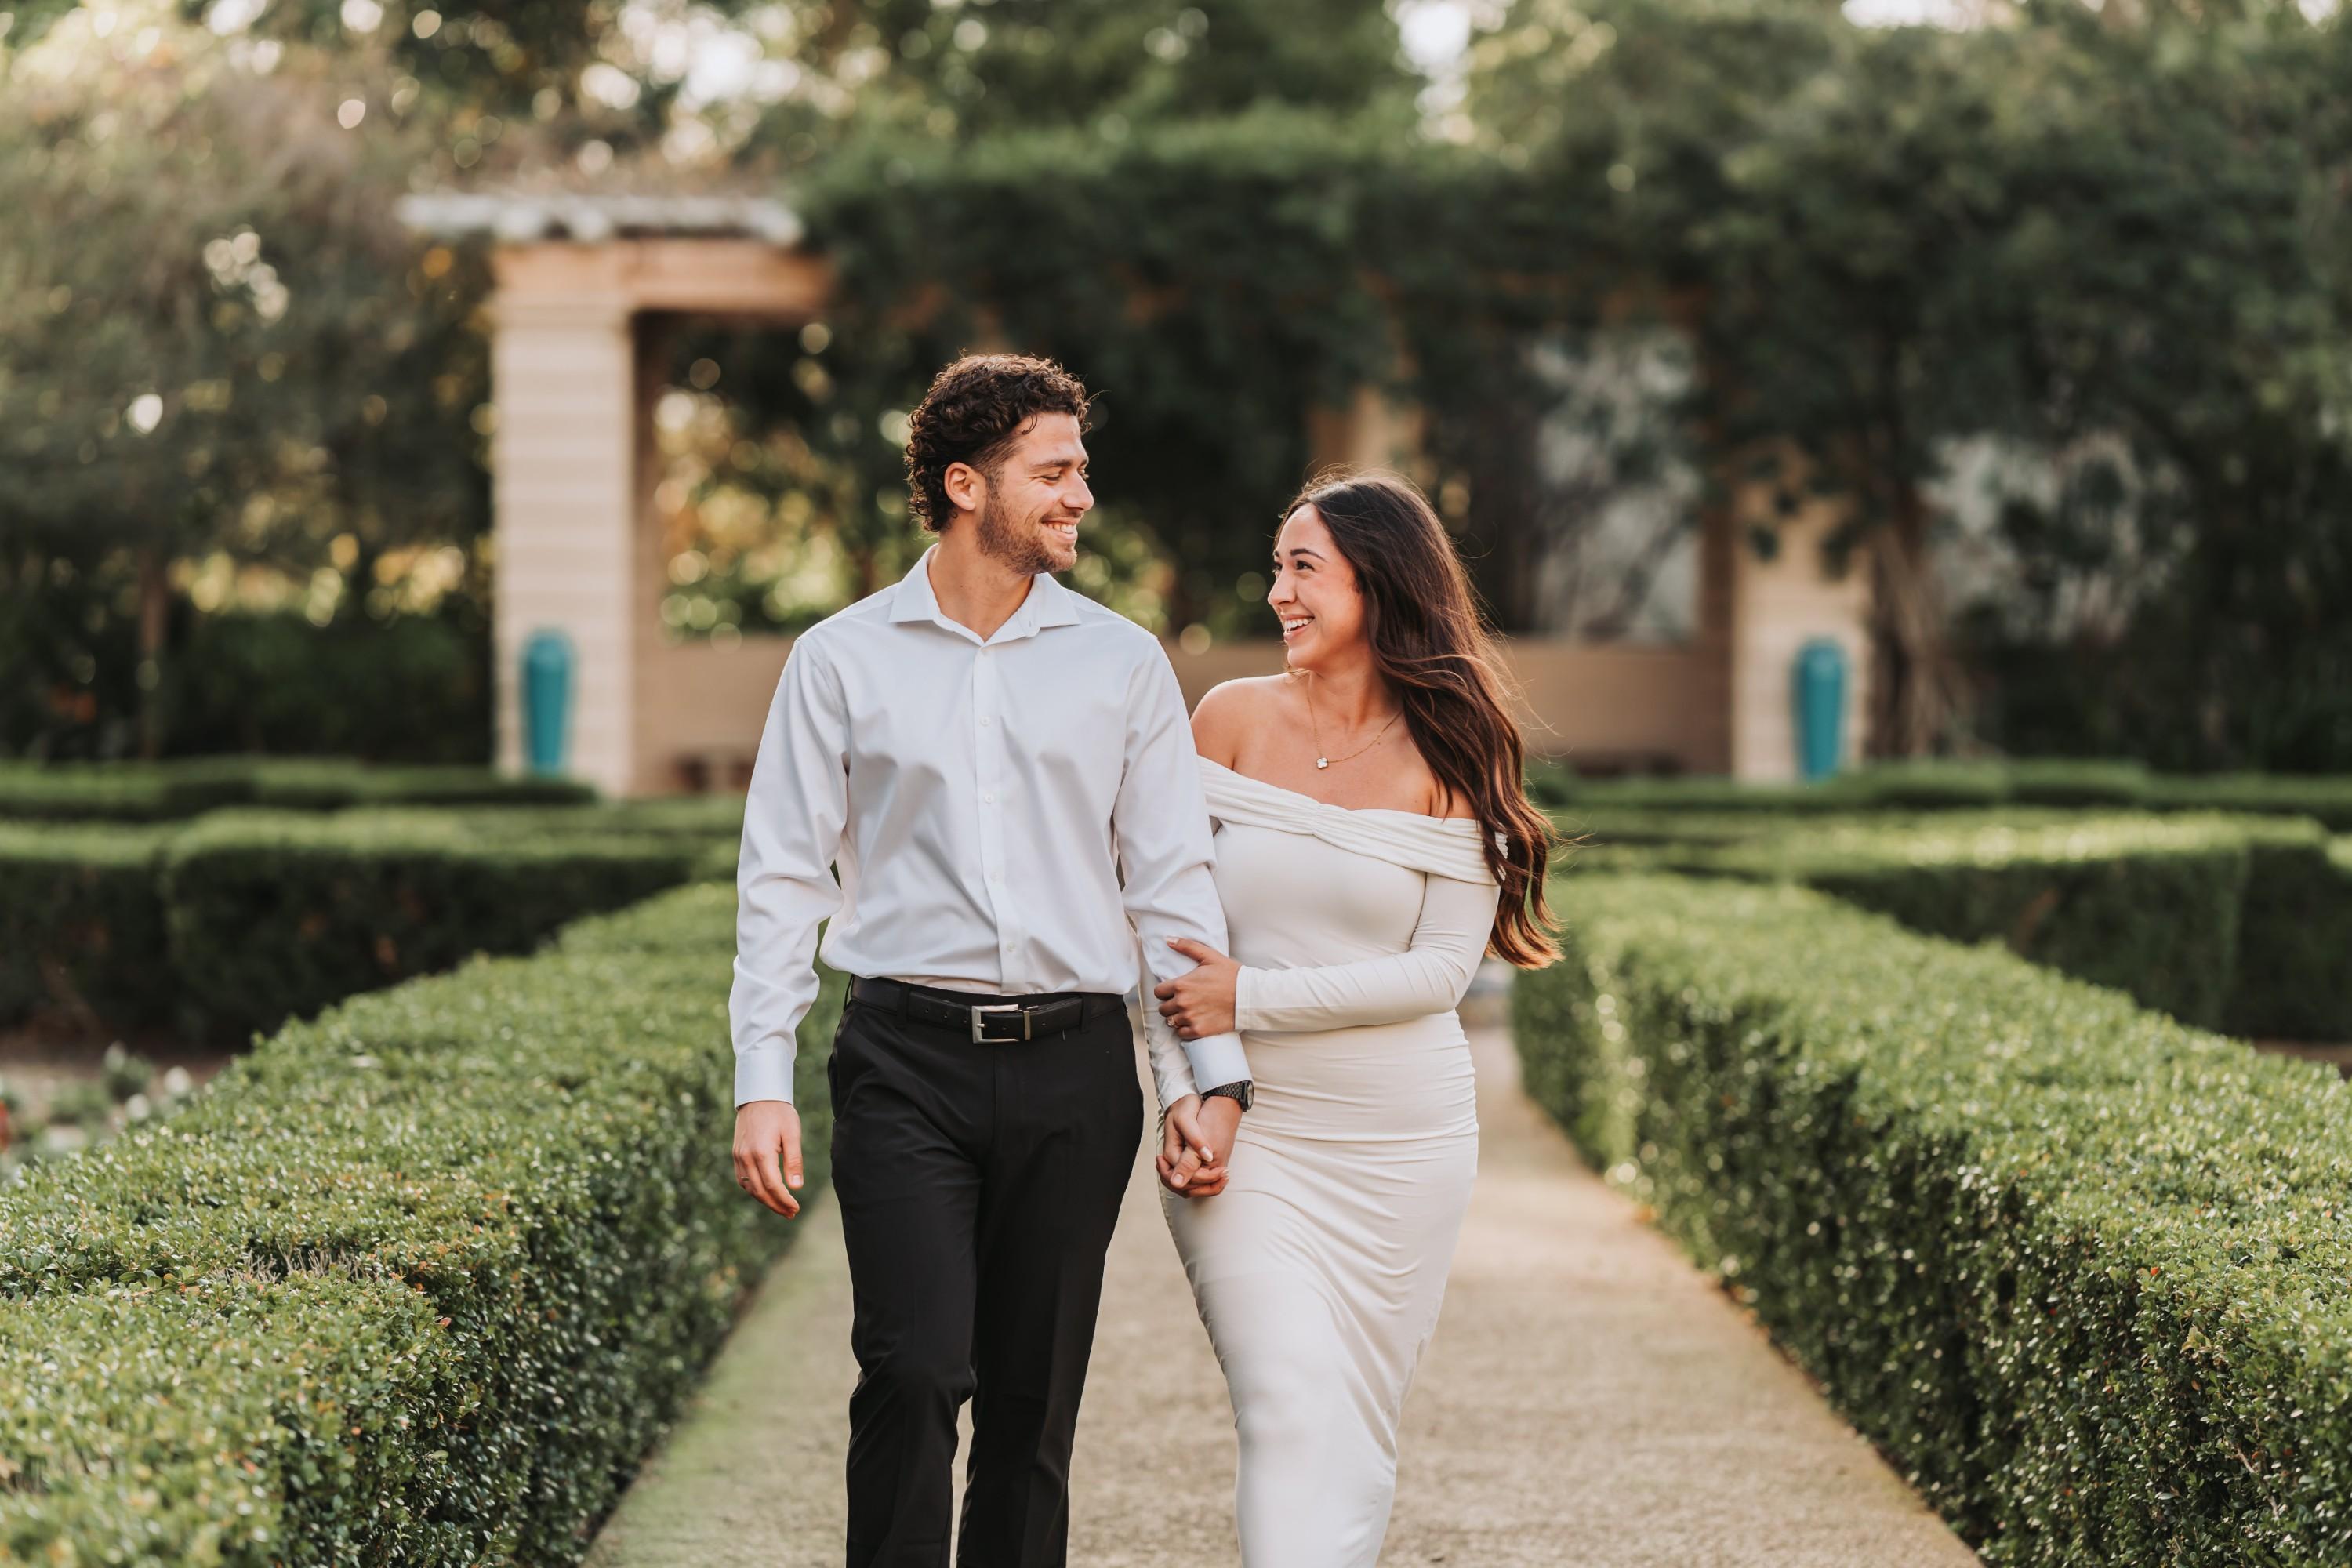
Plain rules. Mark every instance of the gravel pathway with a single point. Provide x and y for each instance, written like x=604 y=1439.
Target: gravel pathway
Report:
x=1589 y=1400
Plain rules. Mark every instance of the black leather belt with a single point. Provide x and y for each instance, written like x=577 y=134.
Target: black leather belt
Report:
x=987 y=1020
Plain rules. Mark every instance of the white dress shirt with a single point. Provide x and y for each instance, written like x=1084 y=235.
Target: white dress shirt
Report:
x=1007 y=816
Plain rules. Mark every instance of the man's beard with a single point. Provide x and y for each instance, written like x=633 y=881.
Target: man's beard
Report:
x=1010 y=545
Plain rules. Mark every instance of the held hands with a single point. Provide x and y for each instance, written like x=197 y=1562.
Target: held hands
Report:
x=762 y=1128
x=1199 y=1003
x=1196 y=1145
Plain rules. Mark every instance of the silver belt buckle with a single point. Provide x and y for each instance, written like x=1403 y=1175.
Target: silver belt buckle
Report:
x=978 y=1026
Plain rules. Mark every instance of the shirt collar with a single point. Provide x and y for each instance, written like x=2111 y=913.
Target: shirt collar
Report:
x=1048 y=604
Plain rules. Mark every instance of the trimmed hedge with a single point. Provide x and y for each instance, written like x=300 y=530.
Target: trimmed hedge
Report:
x=2084 y=1271
x=2295 y=955
x=244 y=917
x=81 y=922
x=417 y=1282
x=2322 y=798
x=1943 y=786
x=2149 y=905
x=1702 y=792
x=163 y=792
x=1926 y=785
x=191 y=1425
x=2057 y=781
x=123 y=792
x=697 y=821
x=2239 y=923
x=302 y=785
x=276 y=915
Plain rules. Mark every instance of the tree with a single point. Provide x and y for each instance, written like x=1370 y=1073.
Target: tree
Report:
x=2054 y=230
x=217 y=337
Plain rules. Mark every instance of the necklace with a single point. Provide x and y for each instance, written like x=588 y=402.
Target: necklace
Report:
x=1322 y=761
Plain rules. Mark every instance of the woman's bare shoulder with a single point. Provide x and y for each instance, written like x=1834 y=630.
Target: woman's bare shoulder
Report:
x=1227 y=711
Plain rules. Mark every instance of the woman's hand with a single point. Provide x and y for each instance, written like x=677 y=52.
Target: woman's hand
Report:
x=1196 y=1145
x=1201 y=1003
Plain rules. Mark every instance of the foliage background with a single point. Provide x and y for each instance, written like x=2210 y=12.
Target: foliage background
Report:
x=2062 y=288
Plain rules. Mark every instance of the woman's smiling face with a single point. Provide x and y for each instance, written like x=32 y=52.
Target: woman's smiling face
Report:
x=1315 y=592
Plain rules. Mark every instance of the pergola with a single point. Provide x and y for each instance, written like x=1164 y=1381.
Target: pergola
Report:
x=583 y=285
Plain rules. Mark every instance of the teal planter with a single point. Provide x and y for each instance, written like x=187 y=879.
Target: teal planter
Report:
x=1817 y=691
x=546 y=700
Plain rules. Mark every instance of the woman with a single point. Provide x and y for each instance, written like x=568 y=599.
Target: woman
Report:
x=1374 y=843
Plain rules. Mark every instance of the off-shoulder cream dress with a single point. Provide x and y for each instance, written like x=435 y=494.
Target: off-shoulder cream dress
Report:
x=1320 y=1270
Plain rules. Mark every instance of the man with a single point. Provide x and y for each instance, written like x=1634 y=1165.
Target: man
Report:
x=1004 y=776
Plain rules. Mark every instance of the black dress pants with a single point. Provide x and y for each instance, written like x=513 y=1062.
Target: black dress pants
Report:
x=978 y=1184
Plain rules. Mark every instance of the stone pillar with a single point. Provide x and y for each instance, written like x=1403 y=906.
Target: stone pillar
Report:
x=1374 y=431
x=565 y=501
x=1776 y=607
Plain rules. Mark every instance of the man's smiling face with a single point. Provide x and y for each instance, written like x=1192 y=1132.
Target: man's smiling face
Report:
x=1031 y=501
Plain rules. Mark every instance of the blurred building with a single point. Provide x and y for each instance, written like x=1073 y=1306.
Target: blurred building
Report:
x=578 y=549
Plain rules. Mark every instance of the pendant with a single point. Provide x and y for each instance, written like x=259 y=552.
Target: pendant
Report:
x=1322 y=761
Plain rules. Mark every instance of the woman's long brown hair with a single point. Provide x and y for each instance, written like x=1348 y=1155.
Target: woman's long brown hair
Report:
x=1434 y=650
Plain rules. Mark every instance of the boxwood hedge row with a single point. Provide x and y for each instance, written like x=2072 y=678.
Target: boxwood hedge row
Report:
x=273 y=915
x=2084 y=1272
x=161 y=791
x=2324 y=799
x=2294 y=945
x=1945 y=785
x=244 y=917
x=2147 y=904
x=81 y=920
x=2234 y=922
x=415 y=1282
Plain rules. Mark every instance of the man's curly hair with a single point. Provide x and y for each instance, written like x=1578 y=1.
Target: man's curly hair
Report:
x=972 y=414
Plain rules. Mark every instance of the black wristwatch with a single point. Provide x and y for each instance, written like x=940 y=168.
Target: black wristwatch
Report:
x=1238 y=1089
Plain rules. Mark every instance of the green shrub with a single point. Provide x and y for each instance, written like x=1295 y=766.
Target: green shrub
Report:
x=697 y=820
x=1929 y=786
x=2327 y=799
x=1710 y=793
x=2294 y=951
x=428 y=1272
x=1608 y=824
x=278 y=913
x=2061 y=781
x=707 y=829
x=1946 y=785
x=2143 y=903
x=141 y=792
x=328 y=786
x=81 y=923
x=2081 y=1270
x=111 y=792
x=274 y=915
x=410 y=688
x=2150 y=905
x=1551 y=783
x=283 y=1419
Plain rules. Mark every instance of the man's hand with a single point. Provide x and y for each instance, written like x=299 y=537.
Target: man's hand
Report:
x=762 y=1128
x=1199 y=1003
x=1196 y=1145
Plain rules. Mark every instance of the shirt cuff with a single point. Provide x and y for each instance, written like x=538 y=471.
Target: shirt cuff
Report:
x=1217 y=1058
x=764 y=1072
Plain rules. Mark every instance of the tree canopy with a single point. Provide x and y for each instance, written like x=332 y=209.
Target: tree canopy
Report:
x=2112 y=243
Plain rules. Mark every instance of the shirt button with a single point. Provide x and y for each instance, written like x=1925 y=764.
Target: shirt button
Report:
x=985 y=720
x=988 y=800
